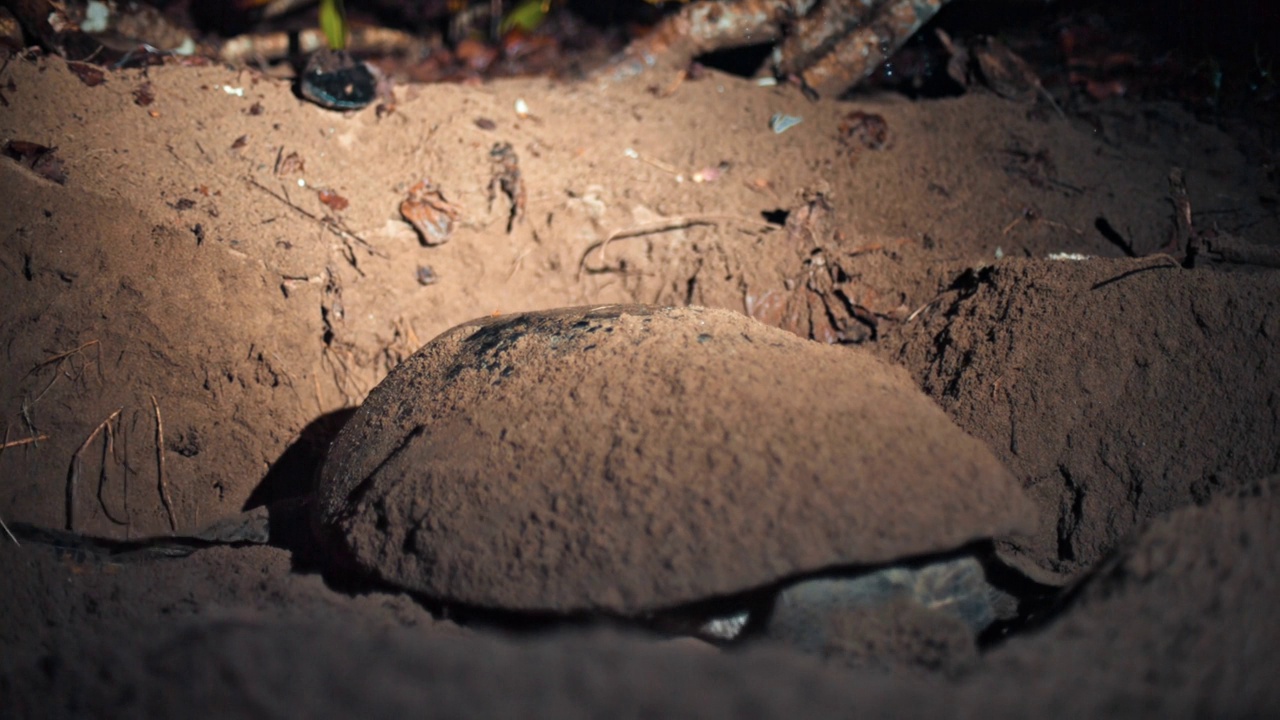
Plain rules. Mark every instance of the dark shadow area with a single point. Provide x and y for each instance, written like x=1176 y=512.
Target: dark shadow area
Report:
x=744 y=62
x=776 y=217
x=1037 y=604
x=285 y=494
x=293 y=473
x=1113 y=236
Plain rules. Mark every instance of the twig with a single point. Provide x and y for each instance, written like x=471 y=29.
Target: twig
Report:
x=24 y=441
x=160 y=483
x=664 y=167
x=515 y=264
x=660 y=226
x=6 y=445
x=936 y=299
x=922 y=308
x=1030 y=215
x=124 y=480
x=73 y=473
x=1183 y=235
x=63 y=355
x=108 y=454
x=242 y=49
x=57 y=361
x=332 y=226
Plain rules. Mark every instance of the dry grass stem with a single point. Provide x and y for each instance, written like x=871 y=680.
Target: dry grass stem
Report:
x=109 y=455
x=73 y=473
x=24 y=441
x=6 y=445
x=57 y=361
x=160 y=481
x=64 y=355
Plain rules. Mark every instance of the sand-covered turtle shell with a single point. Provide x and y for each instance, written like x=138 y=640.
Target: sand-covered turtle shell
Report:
x=629 y=458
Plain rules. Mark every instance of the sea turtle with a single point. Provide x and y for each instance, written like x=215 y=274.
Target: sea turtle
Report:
x=680 y=467
x=689 y=470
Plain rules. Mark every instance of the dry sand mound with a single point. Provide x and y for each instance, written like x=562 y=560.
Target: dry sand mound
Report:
x=1177 y=626
x=1115 y=390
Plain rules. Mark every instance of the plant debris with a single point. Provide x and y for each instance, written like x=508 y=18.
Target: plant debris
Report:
x=430 y=213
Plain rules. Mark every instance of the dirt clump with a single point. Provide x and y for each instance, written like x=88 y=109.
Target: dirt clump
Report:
x=1147 y=388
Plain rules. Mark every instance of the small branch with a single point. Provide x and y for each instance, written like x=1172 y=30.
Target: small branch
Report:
x=24 y=441
x=857 y=54
x=160 y=482
x=64 y=355
x=57 y=361
x=332 y=226
x=660 y=226
x=73 y=473
x=698 y=28
x=1183 y=235
x=108 y=454
x=6 y=445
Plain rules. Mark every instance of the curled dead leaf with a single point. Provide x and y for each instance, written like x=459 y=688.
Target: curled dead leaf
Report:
x=90 y=75
x=426 y=208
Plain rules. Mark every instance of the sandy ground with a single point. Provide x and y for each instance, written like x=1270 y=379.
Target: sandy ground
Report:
x=182 y=276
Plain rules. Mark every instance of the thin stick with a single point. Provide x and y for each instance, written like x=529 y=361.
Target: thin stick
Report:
x=661 y=226
x=160 y=483
x=936 y=299
x=73 y=473
x=57 y=361
x=63 y=355
x=24 y=441
x=3 y=447
x=124 y=484
x=664 y=167
x=108 y=454
x=922 y=308
x=334 y=226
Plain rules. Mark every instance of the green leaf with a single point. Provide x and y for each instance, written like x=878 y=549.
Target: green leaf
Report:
x=333 y=22
x=527 y=16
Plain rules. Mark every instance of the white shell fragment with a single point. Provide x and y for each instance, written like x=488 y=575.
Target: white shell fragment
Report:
x=780 y=123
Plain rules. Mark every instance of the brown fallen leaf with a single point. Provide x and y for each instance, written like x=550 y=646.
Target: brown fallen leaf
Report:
x=429 y=212
x=90 y=75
